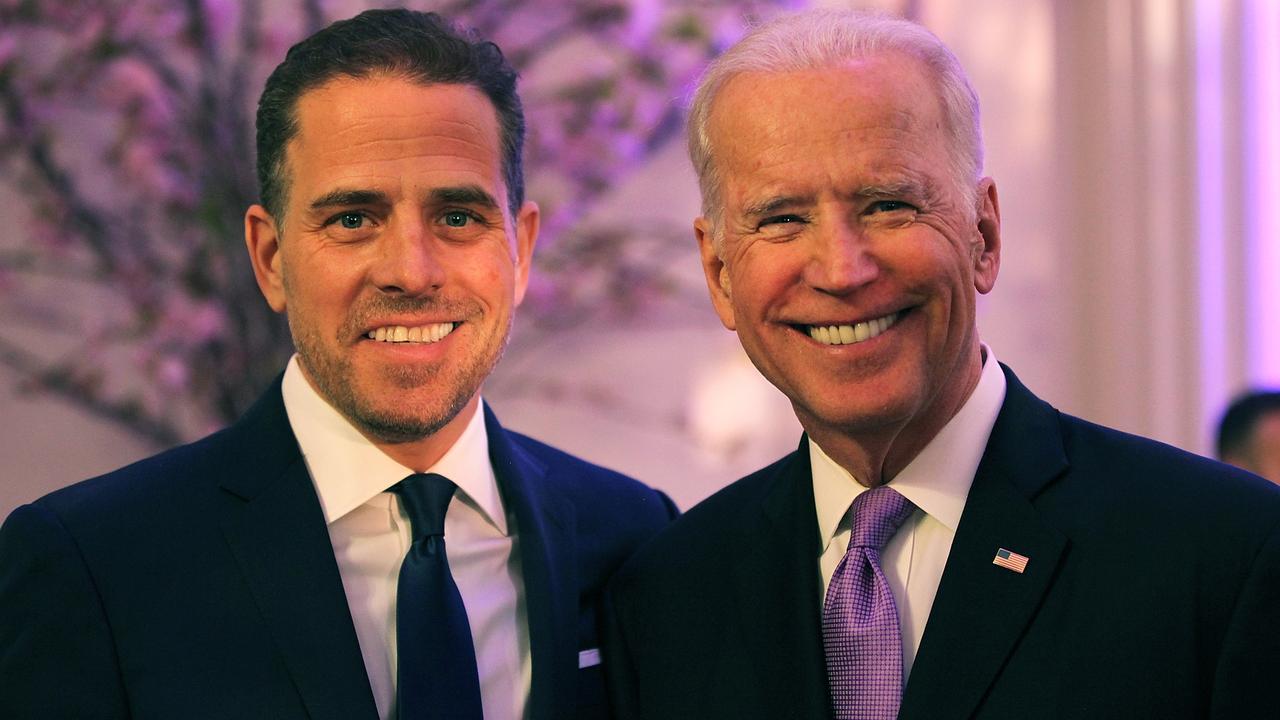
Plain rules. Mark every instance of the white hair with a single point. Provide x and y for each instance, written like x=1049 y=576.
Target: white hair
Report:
x=824 y=38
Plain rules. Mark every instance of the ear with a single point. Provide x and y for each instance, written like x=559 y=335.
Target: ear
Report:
x=986 y=252
x=717 y=274
x=262 y=237
x=527 y=224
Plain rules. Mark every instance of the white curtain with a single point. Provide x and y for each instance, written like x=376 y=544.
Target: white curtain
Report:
x=1136 y=146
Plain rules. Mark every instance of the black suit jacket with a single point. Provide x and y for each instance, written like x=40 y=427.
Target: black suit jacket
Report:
x=1152 y=591
x=202 y=583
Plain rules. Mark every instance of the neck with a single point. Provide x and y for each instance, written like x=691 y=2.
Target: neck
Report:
x=874 y=455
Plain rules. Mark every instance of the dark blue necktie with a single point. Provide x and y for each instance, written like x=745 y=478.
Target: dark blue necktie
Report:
x=436 y=675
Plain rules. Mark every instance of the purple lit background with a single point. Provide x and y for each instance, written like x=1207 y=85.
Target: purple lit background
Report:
x=1262 y=128
x=1135 y=144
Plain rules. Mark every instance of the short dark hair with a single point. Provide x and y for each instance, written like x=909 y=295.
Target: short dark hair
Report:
x=1235 y=430
x=421 y=47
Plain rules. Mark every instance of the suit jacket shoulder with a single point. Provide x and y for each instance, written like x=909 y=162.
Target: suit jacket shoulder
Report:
x=717 y=617
x=260 y=444
x=611 y=492
x=1169 y=479
x=205 y=567
x=699 y=536
x=1146 y=564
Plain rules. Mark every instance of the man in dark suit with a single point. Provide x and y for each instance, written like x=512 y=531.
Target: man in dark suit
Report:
x=258 y=572
x=943 y=544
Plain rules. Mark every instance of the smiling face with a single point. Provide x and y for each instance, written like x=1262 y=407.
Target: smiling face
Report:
x=849 y=258
x=397 y=259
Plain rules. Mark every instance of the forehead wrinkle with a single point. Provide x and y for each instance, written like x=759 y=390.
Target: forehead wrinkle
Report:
x=414 y=127
x=900 y=118
x=396 y=130
x=435 y=144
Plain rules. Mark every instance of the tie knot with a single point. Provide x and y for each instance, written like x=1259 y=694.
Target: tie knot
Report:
x=876 y=516
x=425 y=497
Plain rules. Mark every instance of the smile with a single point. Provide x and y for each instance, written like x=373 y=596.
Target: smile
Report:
x=434 y=332
x=850 y=334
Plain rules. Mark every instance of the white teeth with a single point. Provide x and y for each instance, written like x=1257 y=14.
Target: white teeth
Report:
x=850 y=334
x=421 y=334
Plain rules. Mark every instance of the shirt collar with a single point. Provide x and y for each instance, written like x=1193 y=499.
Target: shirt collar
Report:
x=348 y=470
x=938 y=479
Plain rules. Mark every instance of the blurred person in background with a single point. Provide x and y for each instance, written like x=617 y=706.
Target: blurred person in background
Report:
x=1249 y=433
x=943 y=543
x=295 y=565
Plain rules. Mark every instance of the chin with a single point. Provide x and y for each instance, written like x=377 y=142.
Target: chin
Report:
x=863 y=410
x=397 y=426
x=407 y=408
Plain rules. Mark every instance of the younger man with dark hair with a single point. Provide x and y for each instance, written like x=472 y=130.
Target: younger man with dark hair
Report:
x=295 y=565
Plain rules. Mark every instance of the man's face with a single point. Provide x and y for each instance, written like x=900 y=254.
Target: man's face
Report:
x=850 y=258
x=397 y=258
x=1266 y=447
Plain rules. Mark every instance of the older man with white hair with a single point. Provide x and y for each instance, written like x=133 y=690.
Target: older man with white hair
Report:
x=943 y=544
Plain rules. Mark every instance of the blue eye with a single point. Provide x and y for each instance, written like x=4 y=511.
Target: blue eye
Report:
x=456 y=219
x=351 y=221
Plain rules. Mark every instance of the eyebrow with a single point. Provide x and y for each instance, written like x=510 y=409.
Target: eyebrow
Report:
x=342 y=197
x=460 y=195
x=771 y=205
x=465 y=195
x=904 y=188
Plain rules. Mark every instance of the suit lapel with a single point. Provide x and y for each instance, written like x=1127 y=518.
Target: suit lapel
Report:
x=275 y=528
x=548 y=562
x=777 y=589
x=981 y=609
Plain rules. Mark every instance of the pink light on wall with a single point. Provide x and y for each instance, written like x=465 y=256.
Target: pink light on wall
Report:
x=1261 y=28
x=1210 y=203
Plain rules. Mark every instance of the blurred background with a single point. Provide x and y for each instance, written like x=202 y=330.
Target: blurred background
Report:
x=1135 y=144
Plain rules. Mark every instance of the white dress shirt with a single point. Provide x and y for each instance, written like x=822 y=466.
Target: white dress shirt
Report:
x=370 y=534
x=938 y=482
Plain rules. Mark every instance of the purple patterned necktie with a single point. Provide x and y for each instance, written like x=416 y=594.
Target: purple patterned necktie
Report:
x=860 y=630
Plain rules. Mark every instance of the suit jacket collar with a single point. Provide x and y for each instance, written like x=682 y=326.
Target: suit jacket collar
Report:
x=981 y=609
x=777 y=591
x=545 y=526
x=276 y=530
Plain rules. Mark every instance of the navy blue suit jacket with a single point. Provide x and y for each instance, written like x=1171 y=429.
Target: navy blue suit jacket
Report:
x=1152 y=591
x=202 y=583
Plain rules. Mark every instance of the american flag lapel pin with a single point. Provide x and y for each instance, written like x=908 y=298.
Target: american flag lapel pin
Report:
x=1010 y=560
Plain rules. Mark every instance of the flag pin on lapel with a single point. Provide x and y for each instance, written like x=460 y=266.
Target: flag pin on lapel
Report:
x=1010 y=560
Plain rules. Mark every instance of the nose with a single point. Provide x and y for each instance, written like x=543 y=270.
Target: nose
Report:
x=408 y=260
x=840 y=259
